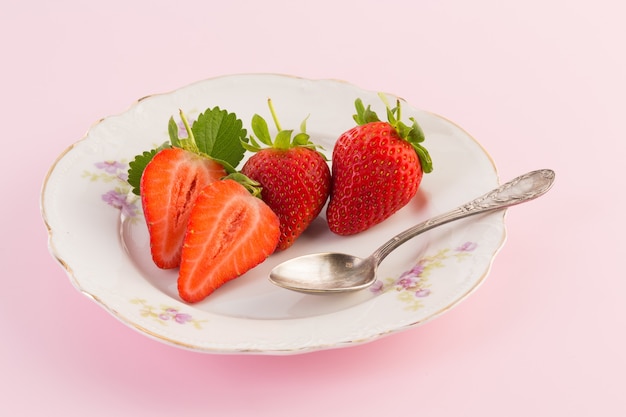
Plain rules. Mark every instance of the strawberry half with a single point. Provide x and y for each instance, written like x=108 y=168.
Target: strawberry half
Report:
x=229 y=232
x=377 y=168
x=170 y=184
x=294 y=176
x=170 y=177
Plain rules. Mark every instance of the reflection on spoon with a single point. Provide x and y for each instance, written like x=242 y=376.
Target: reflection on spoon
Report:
x=338 y=272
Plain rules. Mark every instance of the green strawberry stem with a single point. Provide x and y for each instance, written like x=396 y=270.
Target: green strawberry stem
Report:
x=189 y=143
x=273 y=112
x=186 y=123
x=248 y=183
x=412 y=134
x=284 y=140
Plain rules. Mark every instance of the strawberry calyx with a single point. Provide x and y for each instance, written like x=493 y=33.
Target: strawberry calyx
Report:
x=216 y=134
x=253 y=187
x=188 y=143
x=284 y=140
x=207 y=140
x=412 y=133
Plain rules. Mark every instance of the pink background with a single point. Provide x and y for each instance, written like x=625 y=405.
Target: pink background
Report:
x=539 y=83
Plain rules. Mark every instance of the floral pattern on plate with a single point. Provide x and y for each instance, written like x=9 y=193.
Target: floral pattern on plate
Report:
x=413 y=285
x=166 y=314
x=120 y=197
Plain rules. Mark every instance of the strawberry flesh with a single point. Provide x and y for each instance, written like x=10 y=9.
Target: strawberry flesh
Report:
x=170 y=185
x=229 y=232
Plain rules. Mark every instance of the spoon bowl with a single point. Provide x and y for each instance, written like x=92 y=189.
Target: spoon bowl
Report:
x=325 y=273
x=338 y=272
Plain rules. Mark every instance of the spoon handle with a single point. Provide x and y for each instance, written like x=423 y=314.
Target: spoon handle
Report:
x=519 y=190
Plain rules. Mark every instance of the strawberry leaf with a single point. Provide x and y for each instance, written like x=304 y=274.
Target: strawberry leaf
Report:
x=303 y=125
x=248 y=183
x=391 y=116
x=137 y=166
x=172 y=130
x=364 y=115
x=424 y=157
x=301 y=139
x=260 y=129
x=218 y=134
x=283 y=139
x=252 y=146
x=416 y=134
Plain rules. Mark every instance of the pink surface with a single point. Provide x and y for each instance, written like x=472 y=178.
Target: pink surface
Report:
x=540 y=84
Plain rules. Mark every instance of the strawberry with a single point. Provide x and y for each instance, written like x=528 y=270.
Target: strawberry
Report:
x=170 y=184
x=170 y=177
x=230 y=231
x=294 y=176
x=377 y=168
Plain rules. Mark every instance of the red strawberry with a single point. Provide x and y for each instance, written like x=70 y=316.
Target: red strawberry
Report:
x=377 y=168
x=170 y=184
x=229 y=232
x=294 y=176
x=170 y=177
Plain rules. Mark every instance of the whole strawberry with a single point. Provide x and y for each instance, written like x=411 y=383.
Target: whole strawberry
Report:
x=377 y=168
x=294 y=176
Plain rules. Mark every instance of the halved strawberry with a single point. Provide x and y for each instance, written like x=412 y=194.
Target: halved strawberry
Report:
x=230 y=231
x=169 y=186
x=170 y=177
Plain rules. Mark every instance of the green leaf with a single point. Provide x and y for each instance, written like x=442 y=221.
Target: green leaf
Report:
x=360 y=111
x=172 y=129
x=424 y=157
x=391 y=116
x=249 y=184
x=417 y=133
x=260 y=129
x=303 y=124
x=364 y=114
x=370 y=115
x=283 y=139
x=218 y=134
x=253 y=142
x=227 y=166
x=252 y=146
x=301 y=139
x=138 y=165
x=402 y=129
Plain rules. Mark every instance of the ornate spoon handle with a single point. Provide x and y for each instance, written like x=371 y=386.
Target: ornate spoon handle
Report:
x=519 y=190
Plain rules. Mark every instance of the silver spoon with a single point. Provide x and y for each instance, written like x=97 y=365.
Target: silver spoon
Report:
x=338 y=272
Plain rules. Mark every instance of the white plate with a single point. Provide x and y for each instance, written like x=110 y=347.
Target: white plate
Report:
x=100 y=239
